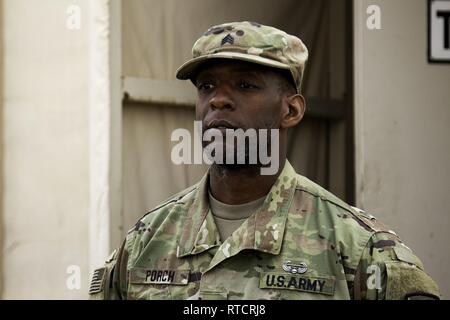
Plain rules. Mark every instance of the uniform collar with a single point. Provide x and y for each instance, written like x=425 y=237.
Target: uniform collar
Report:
x=262 y=231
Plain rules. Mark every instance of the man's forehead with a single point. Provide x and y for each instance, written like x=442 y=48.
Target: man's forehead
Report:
x=231 y=66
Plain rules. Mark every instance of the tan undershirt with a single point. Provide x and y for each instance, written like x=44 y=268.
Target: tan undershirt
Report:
x=228 y=217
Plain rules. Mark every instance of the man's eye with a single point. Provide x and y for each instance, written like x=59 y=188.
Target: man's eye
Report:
x=205 y=86
x=247 y=85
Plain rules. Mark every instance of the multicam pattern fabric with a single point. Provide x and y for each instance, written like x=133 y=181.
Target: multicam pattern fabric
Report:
x=304 y=243
x=252 y=42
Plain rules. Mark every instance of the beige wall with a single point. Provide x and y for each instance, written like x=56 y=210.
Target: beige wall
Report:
x=402 y=121
x=46 y=186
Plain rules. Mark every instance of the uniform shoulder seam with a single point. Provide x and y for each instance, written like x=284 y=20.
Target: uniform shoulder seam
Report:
x=324 y=197
x=175 y=198
x=363 y=220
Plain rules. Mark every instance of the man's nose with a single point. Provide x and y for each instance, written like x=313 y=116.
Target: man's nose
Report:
x=221 y=99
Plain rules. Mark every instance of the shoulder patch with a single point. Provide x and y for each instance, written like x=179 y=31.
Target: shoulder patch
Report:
x=405 y=281
x=98 y=280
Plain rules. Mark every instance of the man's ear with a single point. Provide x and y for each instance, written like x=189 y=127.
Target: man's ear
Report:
x=293 y=110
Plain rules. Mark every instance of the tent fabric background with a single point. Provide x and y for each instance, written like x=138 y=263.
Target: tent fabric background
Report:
x=157 y=38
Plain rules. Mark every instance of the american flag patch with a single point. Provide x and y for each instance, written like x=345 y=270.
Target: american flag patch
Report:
x=97 y=281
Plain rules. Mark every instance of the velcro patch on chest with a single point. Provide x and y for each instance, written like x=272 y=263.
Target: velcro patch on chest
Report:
x=159 y=276
x=289 y=281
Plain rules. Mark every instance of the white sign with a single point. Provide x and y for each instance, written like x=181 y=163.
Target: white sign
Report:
x=439 y=30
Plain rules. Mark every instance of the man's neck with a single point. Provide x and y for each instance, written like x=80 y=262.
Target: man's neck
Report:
x=238 y=185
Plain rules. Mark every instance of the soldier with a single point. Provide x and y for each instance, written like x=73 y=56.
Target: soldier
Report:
x=239 y=234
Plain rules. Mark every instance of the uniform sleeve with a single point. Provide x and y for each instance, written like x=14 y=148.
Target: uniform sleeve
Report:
x=110 y=281
x=389 y=270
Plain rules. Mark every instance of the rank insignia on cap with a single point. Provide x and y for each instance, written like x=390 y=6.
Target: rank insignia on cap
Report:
x=291 y=267
x=97 y=281
x=228 y=39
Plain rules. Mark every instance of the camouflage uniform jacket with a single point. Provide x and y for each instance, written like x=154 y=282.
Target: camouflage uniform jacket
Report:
x=304 y=243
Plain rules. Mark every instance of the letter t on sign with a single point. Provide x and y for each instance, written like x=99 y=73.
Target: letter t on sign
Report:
x=439 y=31
x=446 y=16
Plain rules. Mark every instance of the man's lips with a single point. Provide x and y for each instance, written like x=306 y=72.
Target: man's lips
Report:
x=221 y=125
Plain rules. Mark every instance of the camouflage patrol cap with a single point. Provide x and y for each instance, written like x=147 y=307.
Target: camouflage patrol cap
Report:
x=251 y=42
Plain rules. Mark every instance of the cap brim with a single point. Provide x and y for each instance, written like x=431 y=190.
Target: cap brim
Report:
x=190 y=68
